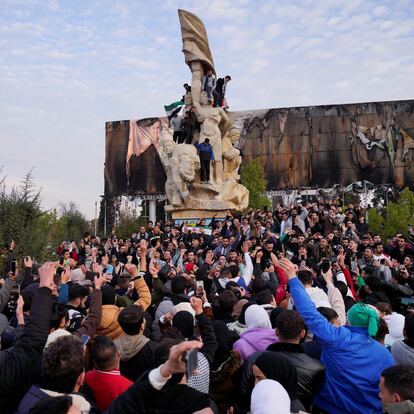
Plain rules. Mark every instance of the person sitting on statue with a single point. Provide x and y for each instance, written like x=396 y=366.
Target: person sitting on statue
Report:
x=206 y=154
x=220 y=91
x=187 y=88
x=209 y=84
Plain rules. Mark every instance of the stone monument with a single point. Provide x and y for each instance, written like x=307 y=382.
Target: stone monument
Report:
x=187 y=196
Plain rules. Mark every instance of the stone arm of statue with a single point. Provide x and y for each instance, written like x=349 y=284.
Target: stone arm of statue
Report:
x=231 y=153
x=225 y=123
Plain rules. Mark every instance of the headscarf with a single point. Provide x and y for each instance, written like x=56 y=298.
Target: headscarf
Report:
x=184 y=321
x=365 y=316
x=257 y=317
x=277 y=367
x=269 y=397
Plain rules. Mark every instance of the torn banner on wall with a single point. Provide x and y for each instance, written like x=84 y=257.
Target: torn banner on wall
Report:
x=365 y=140
x=145 y=135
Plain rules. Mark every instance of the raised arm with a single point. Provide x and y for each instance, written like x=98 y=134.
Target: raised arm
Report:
x=17 y=364
x=335 y=297
x=206 y=330
x=248 y=269
x=144 y=294
x=90 y=324
x=319 y=326
x=5 y=292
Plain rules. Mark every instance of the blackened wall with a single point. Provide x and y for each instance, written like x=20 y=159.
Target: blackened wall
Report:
x=315 y=146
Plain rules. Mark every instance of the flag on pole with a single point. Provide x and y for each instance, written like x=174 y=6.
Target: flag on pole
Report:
x=173 y=108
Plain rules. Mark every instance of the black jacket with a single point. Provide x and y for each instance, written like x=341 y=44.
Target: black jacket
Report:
x=141 y=397
x=20 y=365
x=311 y=372
x=208 y=336
x=140 y=362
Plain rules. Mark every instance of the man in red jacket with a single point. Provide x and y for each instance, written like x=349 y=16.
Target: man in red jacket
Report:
x=106 y=381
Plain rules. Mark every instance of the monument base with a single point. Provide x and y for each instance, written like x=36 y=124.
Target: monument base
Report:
x=197 y=214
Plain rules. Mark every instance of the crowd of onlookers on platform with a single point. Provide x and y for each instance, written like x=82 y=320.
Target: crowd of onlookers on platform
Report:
x=300 y=309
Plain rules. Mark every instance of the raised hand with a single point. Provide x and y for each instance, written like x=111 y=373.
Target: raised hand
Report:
x=131 y=269
x=28 y=262
x=175 y=363
x=19 y=310
x=197 y=304
x=274 y=259
x=46 y=275
x=153 y=268
x=143 y=245
x=97 y=269
x=98 y=281
x=66 y=275
x=328 y=276
x=288 y=267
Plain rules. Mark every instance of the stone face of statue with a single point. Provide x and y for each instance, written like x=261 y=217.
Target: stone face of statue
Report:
x=168 y=146
x=186 y=167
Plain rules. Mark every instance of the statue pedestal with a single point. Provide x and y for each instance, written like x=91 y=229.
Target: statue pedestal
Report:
x=195 y=214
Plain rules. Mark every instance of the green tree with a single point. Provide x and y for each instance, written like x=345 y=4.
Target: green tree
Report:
x=253 y=178
x=395 y=217
x=36 y=232
x=22 y=219
x=71 y=223
x=128 y=223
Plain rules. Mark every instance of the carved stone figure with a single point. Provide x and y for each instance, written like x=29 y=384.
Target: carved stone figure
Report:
x=167 y=147
x=183 y=165
x=210 y=119
x=231 y=155
x=185 y=193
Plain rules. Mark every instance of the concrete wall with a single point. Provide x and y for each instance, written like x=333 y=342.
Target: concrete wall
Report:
x=316 y=146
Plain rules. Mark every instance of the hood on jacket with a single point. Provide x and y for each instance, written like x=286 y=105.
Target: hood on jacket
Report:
x=318 y=297
x=129 y=345
x=395 y=323
x=403 y=407
x=402 y=353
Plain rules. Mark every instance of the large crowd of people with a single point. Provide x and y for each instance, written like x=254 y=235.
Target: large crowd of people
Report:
x=299 y=309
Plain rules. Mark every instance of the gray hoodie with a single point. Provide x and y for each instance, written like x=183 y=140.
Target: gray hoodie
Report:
x=404 y=407
x=402 y=353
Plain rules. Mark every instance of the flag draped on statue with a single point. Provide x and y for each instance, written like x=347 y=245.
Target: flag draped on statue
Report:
x=173 y=108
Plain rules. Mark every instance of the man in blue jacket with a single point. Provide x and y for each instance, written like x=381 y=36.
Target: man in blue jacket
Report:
x=206 y=154
x=352 y=358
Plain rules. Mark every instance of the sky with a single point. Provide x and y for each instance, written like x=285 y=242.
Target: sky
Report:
x=68 y=66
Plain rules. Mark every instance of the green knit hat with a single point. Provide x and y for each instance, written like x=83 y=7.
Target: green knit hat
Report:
x=365 y=316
